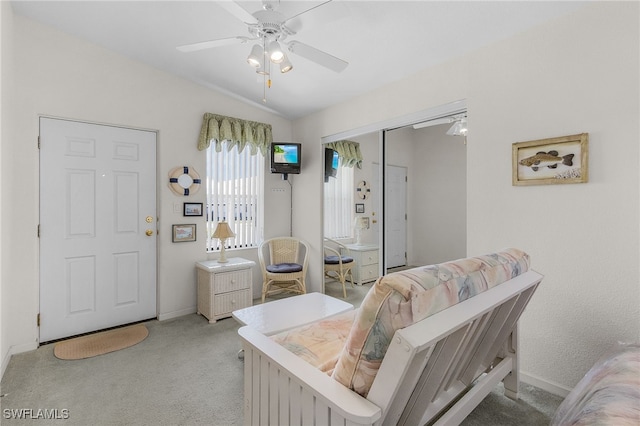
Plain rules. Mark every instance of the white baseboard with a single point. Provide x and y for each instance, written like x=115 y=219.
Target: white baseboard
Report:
x=545 y=384
x=13 y=350
x=176 y=314
x=5 y=362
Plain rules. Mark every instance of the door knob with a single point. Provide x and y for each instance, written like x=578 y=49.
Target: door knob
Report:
x=374 y=221
x=149 y=232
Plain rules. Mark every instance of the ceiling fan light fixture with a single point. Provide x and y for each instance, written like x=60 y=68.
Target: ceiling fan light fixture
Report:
x=285 y=65
x=459 y=128
x=262 y=69
x=275 y=52
x=255 y=57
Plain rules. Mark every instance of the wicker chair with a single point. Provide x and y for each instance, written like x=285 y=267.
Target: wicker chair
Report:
x=338 y=263
x=283 y=261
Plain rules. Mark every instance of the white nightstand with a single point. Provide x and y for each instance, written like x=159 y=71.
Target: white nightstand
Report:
x=367 y=260
x=224 y=287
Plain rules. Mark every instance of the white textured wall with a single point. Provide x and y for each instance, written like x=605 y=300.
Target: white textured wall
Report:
x=577 y=74
x=6 y=54
x=59 y=75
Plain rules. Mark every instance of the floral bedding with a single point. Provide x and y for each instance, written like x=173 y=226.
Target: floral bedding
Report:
x=609 y=394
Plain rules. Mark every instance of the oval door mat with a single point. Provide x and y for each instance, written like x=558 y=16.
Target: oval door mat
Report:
x=100 y=343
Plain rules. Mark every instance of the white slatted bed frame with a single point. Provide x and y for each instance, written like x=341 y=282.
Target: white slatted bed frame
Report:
x=459 y=354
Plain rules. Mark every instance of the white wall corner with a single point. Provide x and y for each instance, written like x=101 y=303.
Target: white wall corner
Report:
x=544 y=384
x=176 y=314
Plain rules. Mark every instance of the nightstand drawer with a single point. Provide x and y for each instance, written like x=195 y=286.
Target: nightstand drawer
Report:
x=368 y=273
x=231 y=281
x=369 y=257
x=229 y=302
x=367 y=262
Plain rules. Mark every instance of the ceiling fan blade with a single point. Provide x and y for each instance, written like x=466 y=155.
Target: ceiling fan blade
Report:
x=212 y=43
x=317 y=56
x=236 y=10
x=308 y=10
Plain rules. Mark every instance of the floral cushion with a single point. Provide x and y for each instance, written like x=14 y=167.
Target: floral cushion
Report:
x=319 y=343
x=400 y=299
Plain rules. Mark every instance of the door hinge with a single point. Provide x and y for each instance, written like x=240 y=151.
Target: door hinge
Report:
x=38 y=142
x=38 y=232
x=38 y=319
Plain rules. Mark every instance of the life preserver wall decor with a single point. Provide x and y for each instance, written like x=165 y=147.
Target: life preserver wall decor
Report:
x=362 y=190
x=184 y=180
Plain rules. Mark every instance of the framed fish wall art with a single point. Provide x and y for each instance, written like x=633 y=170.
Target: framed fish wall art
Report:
x=550 y=161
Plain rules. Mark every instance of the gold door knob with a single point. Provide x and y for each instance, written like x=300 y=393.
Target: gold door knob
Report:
x=149 y=232
x=375 y=221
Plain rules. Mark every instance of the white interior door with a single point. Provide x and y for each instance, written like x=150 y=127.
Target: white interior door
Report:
x=97 y=227
x=395 y=218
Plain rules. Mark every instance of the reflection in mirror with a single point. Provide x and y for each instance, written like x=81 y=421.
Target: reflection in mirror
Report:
x=349 y=211
x=425 y=202
x=416 y=215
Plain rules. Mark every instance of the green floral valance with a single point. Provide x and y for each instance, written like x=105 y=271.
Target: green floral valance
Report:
x=349 y=153
x=236 y=131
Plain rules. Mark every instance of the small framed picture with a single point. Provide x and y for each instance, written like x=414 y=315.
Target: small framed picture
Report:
x=359 y=208
x=551 y=161
x=184 y=233
x=192 y=209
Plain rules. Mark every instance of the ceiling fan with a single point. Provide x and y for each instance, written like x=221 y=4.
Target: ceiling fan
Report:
x=269 y=28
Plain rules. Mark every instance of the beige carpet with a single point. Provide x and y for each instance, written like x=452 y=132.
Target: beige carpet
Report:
x=100 y=343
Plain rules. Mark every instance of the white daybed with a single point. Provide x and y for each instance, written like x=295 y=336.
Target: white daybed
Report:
x=427 y=345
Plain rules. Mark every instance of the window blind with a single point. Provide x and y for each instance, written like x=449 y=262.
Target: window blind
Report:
x=234 y=194
x=338 y=204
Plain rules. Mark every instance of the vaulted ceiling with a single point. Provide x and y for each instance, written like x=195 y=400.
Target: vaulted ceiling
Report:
x=382 y=41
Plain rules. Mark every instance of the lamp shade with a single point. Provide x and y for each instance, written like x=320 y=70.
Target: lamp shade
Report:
x=359 y=223
x=223 y=231
x=285 y=65
x=255 y=57
x=263 y=69
x=275 y=52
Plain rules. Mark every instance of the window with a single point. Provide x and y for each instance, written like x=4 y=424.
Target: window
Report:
x=338 y=204
x=234 y=193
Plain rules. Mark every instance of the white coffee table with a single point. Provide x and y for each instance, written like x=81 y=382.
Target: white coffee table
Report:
x=284 y=314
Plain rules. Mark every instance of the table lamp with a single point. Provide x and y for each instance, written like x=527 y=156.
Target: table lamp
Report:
x=223 y=232
x=359 y=224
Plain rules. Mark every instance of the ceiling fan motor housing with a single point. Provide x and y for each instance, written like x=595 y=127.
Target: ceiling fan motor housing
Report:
x=270 y=25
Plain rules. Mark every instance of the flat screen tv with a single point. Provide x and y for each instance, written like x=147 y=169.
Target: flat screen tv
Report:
x=330 y=163
x=286 y=157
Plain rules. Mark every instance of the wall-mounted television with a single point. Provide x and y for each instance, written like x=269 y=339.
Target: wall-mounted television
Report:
x=286 y=157
x=330 y=163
